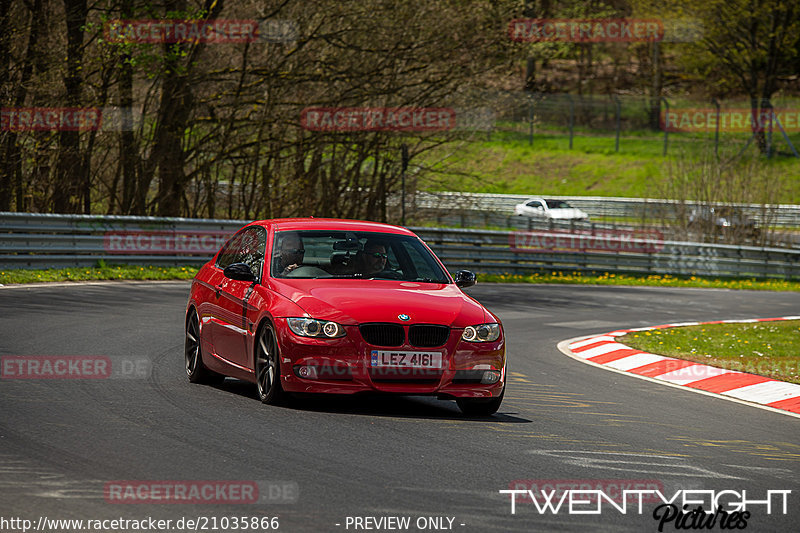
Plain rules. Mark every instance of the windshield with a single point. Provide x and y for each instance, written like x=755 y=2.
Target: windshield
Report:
x=557 y=204
x=353 y=255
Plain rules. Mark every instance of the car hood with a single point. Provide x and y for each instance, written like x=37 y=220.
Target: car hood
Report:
x=357 y=301
x=567 y=213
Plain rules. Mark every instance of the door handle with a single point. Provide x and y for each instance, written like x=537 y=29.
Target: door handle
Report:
x=218 y=290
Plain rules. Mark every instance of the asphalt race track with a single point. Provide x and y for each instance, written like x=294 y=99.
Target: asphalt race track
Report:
x=323 y=463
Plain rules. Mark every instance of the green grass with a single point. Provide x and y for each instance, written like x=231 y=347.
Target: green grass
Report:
x=130 y=272
x=104 y=272
x=653 y=280
x=508 y=164
x=770 y=349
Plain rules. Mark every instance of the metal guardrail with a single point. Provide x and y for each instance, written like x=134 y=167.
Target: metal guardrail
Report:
x=51 y=241
x=471 y=218
x=46 y=241
x=495 y=252
x=600 y=206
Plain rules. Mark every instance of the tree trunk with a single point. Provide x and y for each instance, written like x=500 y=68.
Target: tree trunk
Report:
x=657 y=86
x=176 y=106
x=70 y=173
x=12 y=161
x=128 y=152
x=177 y=102
x=6 y=172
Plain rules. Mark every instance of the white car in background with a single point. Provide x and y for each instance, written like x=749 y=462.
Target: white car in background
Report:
x=553 y=209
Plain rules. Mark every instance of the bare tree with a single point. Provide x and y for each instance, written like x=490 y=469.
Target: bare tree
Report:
x=748 y=45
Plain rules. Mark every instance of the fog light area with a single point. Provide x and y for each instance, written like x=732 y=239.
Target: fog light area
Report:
x=306 y=372
x=490 y=376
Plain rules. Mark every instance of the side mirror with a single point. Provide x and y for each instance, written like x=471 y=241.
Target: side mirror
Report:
x=465 y=278
x=239 y=272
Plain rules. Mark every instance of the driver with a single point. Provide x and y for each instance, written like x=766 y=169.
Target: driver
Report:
x=372 y=259
x=291 y=253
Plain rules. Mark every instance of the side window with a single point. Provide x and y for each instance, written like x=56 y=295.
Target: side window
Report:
x=228 y=252
x=251 y=250
x=246 y=247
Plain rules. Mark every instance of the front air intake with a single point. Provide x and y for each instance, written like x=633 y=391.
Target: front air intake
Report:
x=428 y=336
x=383 y=334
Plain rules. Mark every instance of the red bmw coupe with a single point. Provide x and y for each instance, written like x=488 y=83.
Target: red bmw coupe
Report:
x=341 y=306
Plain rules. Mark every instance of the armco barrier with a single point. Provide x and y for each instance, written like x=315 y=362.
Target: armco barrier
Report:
x=45 y=241
x=537 y=251
x=49 y=241
x=472 y=218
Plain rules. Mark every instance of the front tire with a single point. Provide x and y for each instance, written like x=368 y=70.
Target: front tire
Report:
x=268 y=367
x=196 y=371
x=480 y=407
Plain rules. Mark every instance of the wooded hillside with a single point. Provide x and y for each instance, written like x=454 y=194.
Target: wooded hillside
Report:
x=101 y=115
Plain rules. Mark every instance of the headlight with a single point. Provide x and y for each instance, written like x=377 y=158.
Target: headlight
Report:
x=481 y=333
x=309 y=327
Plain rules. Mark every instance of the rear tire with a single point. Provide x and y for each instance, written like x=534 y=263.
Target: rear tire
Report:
x=480 y=407
x=268 y=367
x=196 y=371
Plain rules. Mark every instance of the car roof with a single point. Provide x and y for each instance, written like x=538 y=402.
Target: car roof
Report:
x=543 y=199
x=285 y=224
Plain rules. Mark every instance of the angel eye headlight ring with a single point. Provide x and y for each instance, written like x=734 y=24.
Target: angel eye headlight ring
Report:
x=311 y=327
x=481 y=333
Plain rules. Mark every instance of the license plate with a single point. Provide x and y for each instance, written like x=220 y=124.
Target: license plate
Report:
x=381 y=358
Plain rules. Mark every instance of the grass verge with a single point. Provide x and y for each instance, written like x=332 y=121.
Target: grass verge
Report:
x=508 y=164
x=653 y=280
x=130 y=272
x=770 y=349
x=105 y=272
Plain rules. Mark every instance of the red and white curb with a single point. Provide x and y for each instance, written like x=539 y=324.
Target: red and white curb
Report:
x=604 y=350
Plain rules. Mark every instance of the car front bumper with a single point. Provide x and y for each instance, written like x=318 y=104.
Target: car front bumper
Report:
x=343 y=366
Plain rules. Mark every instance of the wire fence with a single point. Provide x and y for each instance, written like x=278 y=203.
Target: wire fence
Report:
x=641 y=124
